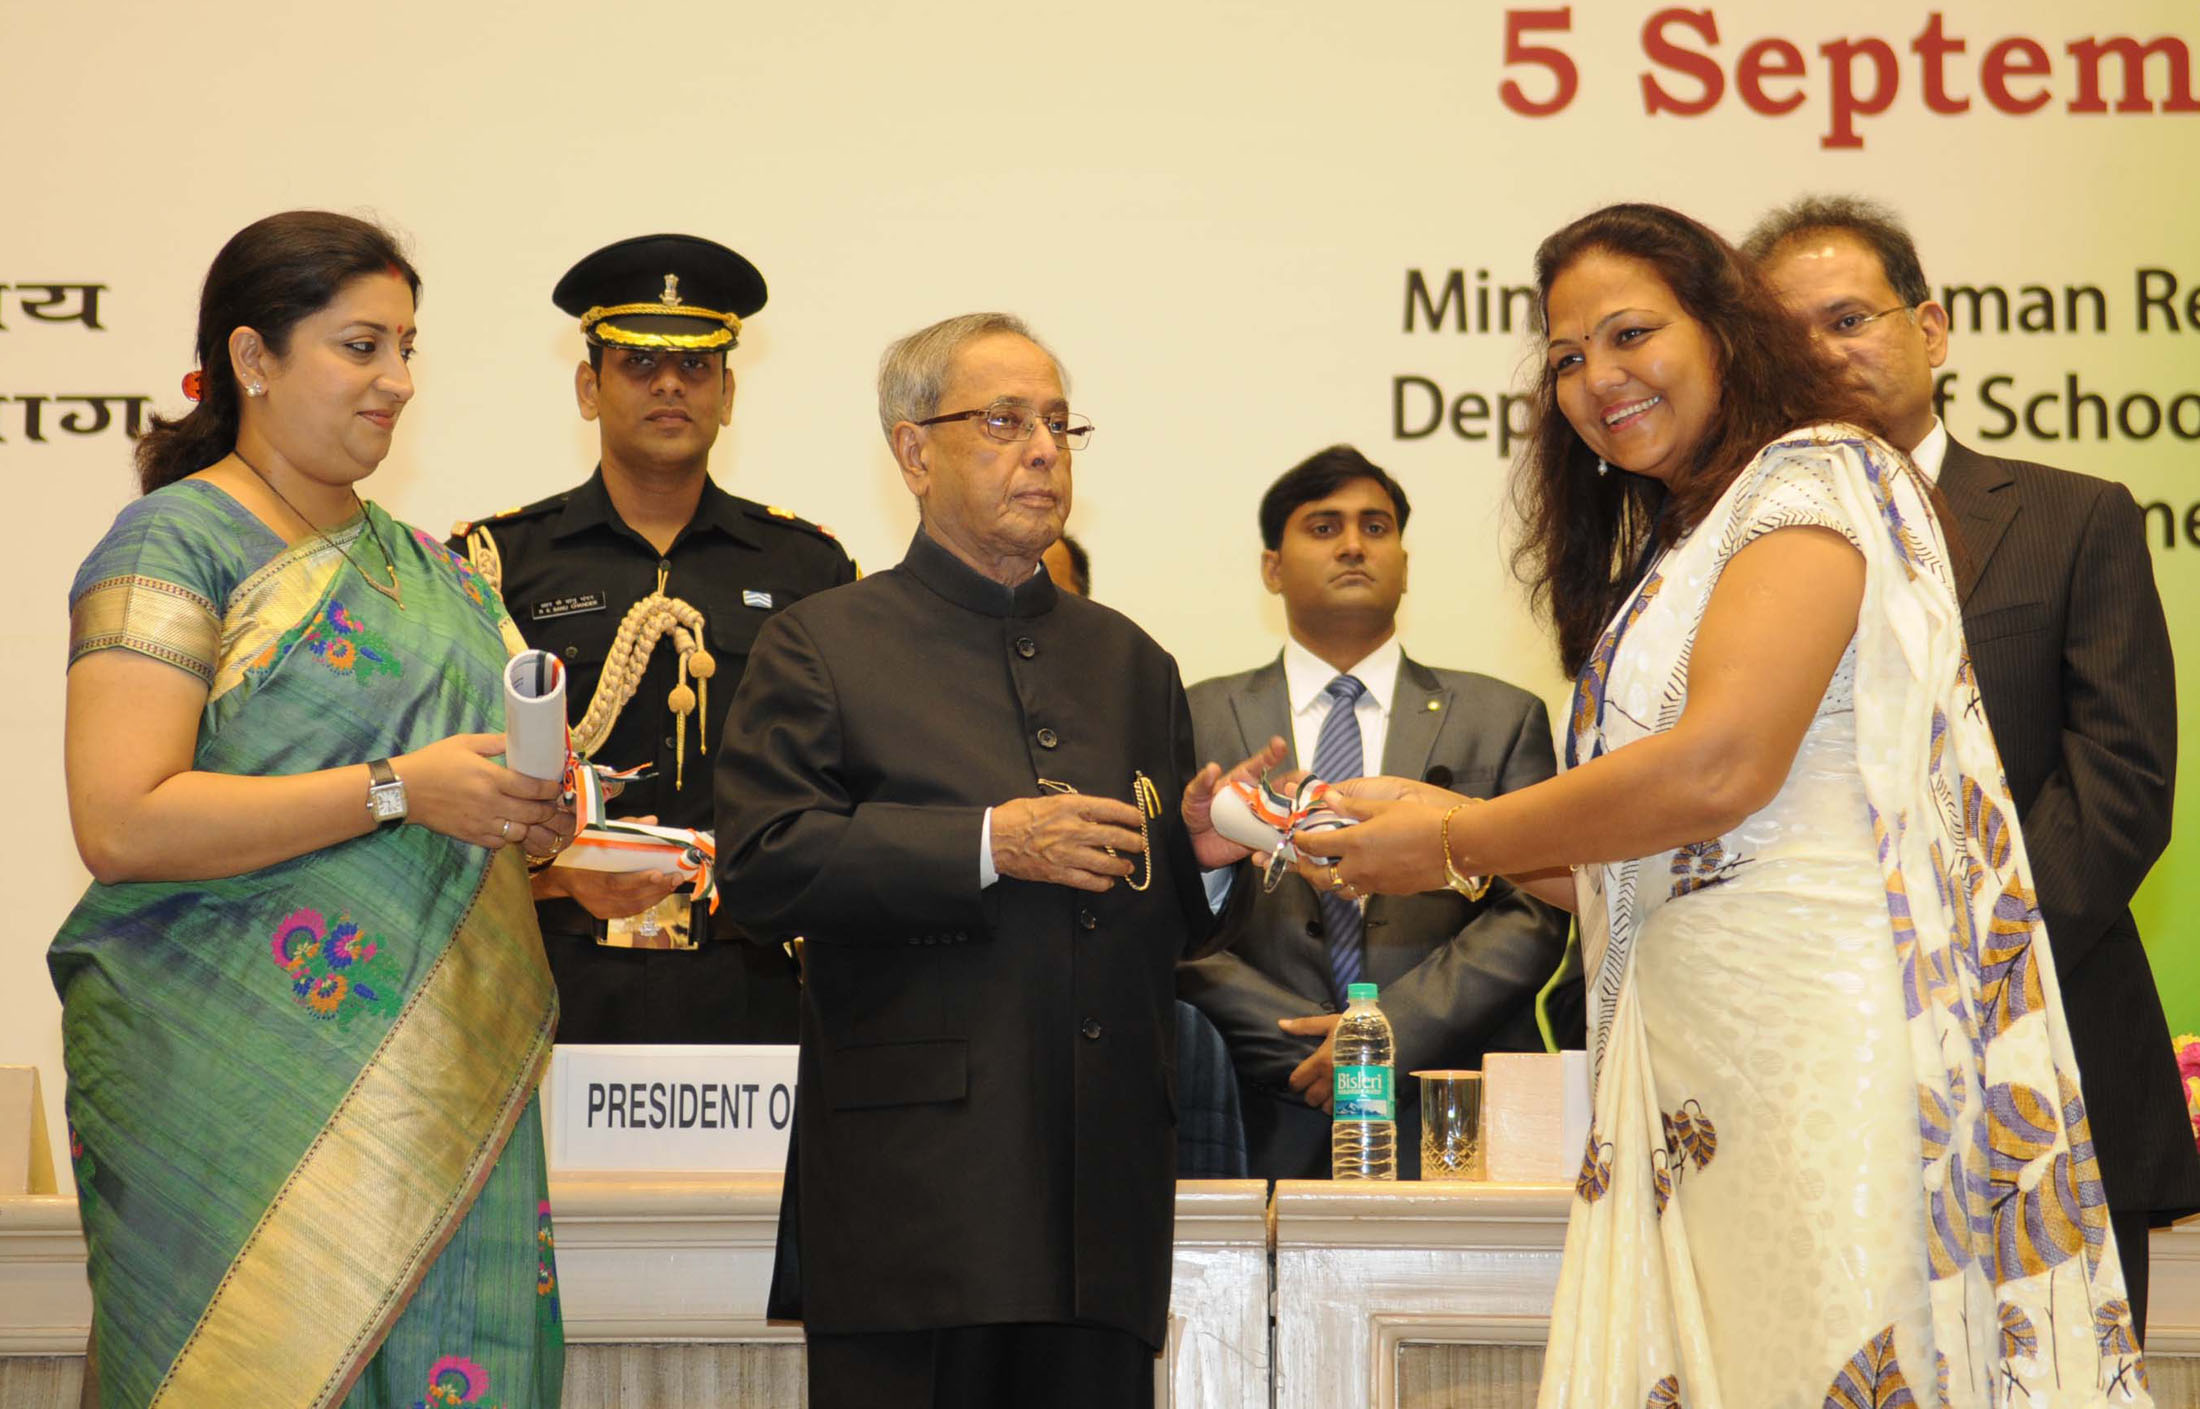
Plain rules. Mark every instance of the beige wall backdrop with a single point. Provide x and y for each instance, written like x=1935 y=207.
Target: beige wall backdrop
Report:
x=1210 y=209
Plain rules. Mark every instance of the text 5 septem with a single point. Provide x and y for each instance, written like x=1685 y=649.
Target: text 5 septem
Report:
x=1860 y=76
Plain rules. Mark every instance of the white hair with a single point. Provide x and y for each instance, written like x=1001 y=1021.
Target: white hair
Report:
x=913 y=370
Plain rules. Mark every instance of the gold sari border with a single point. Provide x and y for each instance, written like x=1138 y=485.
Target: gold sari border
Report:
x=282 y=593
x=149 y=616
x=337 y=1255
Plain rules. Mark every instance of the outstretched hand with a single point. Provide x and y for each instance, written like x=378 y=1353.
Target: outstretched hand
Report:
x=1213 y=849
x=1394 y=849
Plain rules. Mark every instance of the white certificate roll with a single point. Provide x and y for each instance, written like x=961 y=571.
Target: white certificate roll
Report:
x=1233 y=816
x=534 y=715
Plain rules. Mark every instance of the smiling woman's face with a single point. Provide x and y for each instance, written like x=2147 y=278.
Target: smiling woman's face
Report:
x=1637 y=377
x=334 y=396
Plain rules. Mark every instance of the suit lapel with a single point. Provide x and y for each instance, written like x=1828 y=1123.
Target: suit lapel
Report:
x=1982 y=496
x=1263 y=710
x=1417 y=710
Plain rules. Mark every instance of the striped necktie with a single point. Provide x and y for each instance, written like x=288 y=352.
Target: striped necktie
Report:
x=1337 y=756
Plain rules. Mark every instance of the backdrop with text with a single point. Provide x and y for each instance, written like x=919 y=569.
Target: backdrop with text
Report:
x=1251 y=231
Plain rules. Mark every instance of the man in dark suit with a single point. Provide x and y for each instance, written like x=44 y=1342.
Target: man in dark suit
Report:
x=1458 y=977
x=975 y=797
x=2073 y=658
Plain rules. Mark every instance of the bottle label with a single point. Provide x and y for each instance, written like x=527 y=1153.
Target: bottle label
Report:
x=1364 y=1093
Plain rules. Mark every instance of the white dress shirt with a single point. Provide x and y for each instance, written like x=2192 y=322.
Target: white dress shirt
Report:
x=1306 y=678
x=1932 y=450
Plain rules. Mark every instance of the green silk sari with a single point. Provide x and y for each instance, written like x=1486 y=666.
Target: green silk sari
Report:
x=302 y=1100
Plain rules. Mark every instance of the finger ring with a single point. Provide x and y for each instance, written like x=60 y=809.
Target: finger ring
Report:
x=1336 y=882
x=504 y=828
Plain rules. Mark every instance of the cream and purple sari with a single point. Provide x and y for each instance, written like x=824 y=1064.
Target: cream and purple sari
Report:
x=301 y=1100
x=1840 y=1157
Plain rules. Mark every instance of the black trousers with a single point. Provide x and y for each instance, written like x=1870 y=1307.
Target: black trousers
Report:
x=982 y=1367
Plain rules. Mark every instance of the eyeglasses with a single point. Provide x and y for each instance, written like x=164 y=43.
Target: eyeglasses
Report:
x=1852 y=325
x=1009 y=422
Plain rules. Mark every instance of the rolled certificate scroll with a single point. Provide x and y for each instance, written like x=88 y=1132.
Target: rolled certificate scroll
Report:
x=1255 y=814
x=534 y=715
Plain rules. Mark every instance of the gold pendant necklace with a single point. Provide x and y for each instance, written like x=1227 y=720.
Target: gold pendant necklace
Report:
x=394 y=592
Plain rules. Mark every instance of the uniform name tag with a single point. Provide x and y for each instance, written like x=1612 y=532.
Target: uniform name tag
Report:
x=752 y=598
x=572 y=605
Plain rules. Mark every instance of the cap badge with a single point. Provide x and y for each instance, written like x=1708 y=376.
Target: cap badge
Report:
x=671 y=296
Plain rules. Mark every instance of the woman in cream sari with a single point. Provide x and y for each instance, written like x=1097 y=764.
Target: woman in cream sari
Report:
x=1840 y=1156
x=305 y=1007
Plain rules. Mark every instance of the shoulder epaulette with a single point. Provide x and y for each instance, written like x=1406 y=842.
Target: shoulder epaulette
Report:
x=772 y=513
x=524 y=511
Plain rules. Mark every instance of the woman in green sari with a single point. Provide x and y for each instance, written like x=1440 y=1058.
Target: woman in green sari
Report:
x=305 y=1008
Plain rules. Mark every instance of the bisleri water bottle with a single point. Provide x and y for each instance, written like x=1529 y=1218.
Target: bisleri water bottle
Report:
x=1363 y=1139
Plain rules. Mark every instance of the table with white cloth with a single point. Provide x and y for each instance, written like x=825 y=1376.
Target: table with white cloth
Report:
x=1413 y=1295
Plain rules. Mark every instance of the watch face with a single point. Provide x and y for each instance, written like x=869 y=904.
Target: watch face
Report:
x=388 y=802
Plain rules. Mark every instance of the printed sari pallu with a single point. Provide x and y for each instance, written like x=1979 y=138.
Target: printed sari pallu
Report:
x=301 y=1099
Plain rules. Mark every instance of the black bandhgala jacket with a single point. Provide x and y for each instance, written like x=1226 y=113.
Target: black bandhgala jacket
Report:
x=985 y=1129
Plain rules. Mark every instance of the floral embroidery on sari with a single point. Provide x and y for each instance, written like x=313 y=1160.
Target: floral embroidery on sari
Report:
x=336 y=973
x=337 y=640
x=469 y=577
x=546 y=1268
x=454 y=1380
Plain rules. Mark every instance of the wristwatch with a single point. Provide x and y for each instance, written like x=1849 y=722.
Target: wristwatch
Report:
x=385 y=794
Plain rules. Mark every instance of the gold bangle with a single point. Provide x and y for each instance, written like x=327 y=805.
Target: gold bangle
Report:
x=1472 y=887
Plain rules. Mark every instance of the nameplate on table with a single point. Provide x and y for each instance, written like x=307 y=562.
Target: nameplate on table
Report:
x=714 y=1108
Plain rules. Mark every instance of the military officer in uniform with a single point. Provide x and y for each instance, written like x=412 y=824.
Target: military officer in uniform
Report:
x=651 y=582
